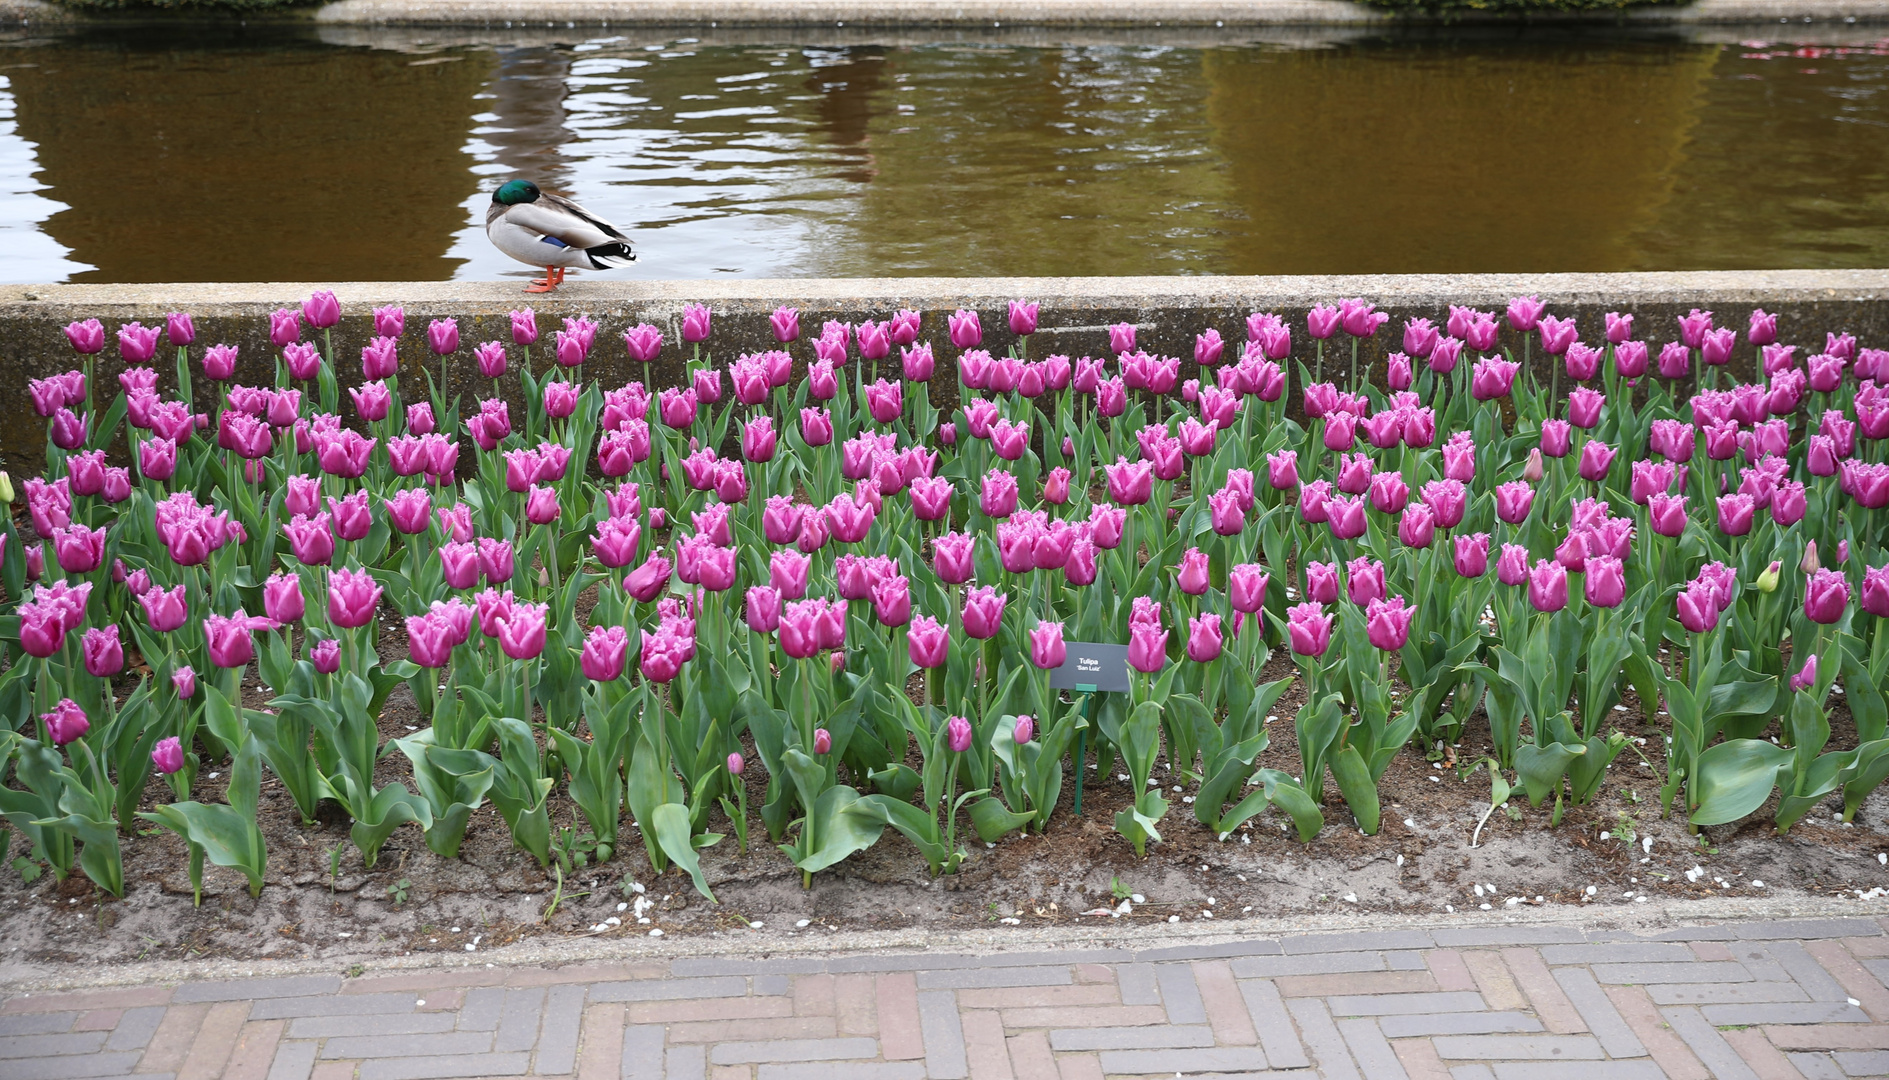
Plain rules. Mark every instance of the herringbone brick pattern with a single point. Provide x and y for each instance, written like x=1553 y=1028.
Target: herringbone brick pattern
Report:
x=1800 y=1000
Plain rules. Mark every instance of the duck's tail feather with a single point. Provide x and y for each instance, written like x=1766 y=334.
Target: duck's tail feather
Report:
x=615 y=253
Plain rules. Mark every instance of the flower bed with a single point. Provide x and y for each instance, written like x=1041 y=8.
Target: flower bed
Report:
x=607 y=621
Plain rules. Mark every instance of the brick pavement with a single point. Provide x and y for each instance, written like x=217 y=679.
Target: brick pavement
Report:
x=1800 y=1000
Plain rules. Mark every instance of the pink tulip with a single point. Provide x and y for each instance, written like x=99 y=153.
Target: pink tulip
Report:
x=1389 y=493
x=1763 y=329
x=1525 y=313
x=1417 y=527
x=1204 y=638
x=605 y=649
x=65 y=723
x=1675 y=359
x=1667 y=514
x=1471 y=554
x=1548 y=586
x=282 y=598
x=167 y=756
x=964 y=329
x=285 y=327
x=103 y=654
x=1630 y=359
x=1605 y=581
x=1826 y=595
x=1365 y=581
x=1345 y=516
x=1387 y=623
x=1557 y=335
x=927 y=642
x=1735 y=514
x=1693 y=326
x=1596 y=458
x=352 y=598
x=1106 y=525
x=1246 y=587
x=164 y=609
x=983 y=611
x=1308 y=629
x=663 y=655
x=1321 y=582
x=1492 y=378
x=1047 y=649
x=1875 y=595
x=1193 y=577
x=1511 y=567
x=1584 y=407
x=763 y=609
x=521 y=634
x=1147 y=647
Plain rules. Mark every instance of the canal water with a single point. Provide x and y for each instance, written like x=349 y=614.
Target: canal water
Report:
x=230 y=153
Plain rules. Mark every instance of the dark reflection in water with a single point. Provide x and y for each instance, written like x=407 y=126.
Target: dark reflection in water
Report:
x=224 y=155
x=238 y=161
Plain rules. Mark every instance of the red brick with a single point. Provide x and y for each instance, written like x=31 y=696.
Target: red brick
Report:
x=984 y=1046
x=601 y=1057
x=1080 y=1067
x=1828 y=1036
x=1358 y=982
x=1669 y=1051
x=1712 y=950
x=333 y=1070
x=1449 y=971
x=1023 y=997
x=1855 y=978
x=424 y=983
x=215 y=1041
x=855 y=1004
x=1030 y=1057
x=900 y=1038
x=1419 y=1059
x=1765 y=1060
x=1557 y=1013
x=255 y=1050
x=1226 y=1009
x=440 y=1001
x=813 y=995
x=1492 y=977
x=99 y=1020
x=170 y=1044
x=587 y=973
x=87 y=1000
x=1867 y=946
x=1090 y=1016
x=741 y=1008
x=775 y=1027
x=1094 y=973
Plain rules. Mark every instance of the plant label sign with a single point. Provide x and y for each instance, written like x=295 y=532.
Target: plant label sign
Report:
x=1091 y=667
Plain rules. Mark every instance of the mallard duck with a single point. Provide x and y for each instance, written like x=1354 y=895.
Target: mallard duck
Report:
x=541 y=229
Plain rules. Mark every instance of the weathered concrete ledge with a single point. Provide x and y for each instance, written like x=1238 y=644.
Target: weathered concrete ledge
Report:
x=1075 y=313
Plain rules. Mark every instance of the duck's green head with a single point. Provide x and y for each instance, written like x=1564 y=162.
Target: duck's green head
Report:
x=513 y=192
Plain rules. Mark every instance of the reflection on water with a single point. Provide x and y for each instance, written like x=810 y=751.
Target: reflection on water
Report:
x=234 y=155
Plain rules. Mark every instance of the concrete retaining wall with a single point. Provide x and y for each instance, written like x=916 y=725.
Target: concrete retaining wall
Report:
x=1075 y=314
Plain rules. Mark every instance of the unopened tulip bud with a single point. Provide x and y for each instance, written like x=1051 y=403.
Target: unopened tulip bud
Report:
x=1767 y=581
x=1532 y=471
x=1810 y=563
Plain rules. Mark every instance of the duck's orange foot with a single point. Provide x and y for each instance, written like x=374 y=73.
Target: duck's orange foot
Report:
x=548 y=282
